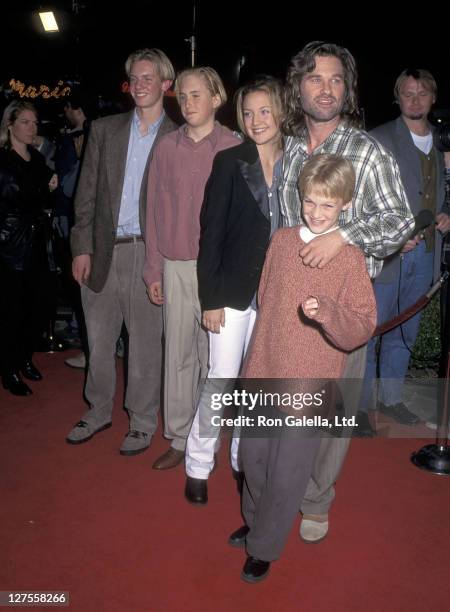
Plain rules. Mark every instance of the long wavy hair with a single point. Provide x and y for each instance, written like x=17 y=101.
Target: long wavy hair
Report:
x=304 y=62
x=10 y=114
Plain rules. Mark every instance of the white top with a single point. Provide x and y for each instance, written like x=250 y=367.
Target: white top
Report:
x=307 y=235
x=424 y=143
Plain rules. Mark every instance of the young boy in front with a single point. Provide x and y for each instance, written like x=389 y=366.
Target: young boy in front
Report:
x=308 y=319
x=178 y=173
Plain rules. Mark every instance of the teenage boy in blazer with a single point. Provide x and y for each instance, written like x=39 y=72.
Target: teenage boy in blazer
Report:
x=108 y=249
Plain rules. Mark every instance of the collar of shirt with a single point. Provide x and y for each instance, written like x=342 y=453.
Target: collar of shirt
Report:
x=303 y=139
x=212 y=137
x=152 y=128
x=307 y=235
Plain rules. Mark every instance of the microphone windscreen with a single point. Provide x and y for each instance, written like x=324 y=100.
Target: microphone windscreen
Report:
x=422 y=220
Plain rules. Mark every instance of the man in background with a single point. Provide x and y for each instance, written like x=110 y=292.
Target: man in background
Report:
x=408 y=273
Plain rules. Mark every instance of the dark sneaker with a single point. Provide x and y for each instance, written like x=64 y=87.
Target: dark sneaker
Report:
x=255 y=570
x=400 y=413
x=363 y=427
x=237 y=538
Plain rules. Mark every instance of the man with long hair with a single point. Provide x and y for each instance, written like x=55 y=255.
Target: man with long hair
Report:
x=323 y=117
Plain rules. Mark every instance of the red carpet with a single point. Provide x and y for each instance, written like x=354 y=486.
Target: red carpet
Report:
x=120 y=537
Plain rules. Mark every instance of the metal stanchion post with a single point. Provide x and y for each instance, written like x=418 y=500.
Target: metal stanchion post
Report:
x=436 y=457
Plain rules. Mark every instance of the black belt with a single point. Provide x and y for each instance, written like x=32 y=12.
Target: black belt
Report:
x=128 y=239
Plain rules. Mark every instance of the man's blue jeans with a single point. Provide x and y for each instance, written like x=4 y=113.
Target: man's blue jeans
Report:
x=415 y=278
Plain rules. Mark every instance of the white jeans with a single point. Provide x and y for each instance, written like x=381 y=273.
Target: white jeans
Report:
x=226 y=351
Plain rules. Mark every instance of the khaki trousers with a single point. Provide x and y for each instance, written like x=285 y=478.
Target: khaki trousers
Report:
x=186 y=349
x=124 y=299
x=329 y=460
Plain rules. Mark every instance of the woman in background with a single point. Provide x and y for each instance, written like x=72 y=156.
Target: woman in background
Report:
x=25 y=185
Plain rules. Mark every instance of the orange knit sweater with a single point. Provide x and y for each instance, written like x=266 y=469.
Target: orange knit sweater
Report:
x=285 y=344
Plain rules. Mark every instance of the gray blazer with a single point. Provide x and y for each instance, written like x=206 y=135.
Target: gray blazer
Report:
x=396 y=137
x=99 y=192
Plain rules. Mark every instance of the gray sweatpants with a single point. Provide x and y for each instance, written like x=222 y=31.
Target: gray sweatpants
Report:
x=277 y=471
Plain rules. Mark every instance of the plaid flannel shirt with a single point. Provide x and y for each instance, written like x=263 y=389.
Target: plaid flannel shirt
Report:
x=379 y=220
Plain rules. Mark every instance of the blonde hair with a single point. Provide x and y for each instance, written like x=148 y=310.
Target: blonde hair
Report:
x=419 y=74
x=330 y=175
x=210 y=77
x=269 y=85
x=10 y=114
x=160 y=60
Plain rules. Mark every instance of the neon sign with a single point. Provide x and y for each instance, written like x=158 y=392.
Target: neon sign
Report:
x=43 y=91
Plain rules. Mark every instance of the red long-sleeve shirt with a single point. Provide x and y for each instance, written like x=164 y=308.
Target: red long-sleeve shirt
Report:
x=178 y=174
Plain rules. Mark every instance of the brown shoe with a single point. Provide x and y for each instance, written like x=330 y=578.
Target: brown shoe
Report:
x=170 y=459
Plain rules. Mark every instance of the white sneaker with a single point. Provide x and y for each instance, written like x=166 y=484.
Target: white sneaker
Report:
x=313 y=532
x=79 y=361
x=433 y=426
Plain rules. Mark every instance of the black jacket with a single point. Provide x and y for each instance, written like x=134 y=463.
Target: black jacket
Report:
x=235 y=229
x=67 y=167
x=24 y=194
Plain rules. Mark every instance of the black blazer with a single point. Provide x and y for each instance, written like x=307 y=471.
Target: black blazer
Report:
x=235 y=229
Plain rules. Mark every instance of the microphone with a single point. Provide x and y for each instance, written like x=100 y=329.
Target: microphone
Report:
x=422 y=220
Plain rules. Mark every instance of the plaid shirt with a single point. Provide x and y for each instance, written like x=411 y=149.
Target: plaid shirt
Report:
x=379 y=220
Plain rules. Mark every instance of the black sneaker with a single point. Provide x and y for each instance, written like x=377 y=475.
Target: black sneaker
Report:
x=400 y=413
x=363 y=427
x=237 y=538
x=255 y=570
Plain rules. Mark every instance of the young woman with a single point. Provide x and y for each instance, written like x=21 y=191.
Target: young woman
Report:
x=240 y=212
x=25 y=184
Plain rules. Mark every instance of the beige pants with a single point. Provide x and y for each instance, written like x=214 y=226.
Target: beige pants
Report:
x=186 y=349
x=329 y=460
x=124 y=298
